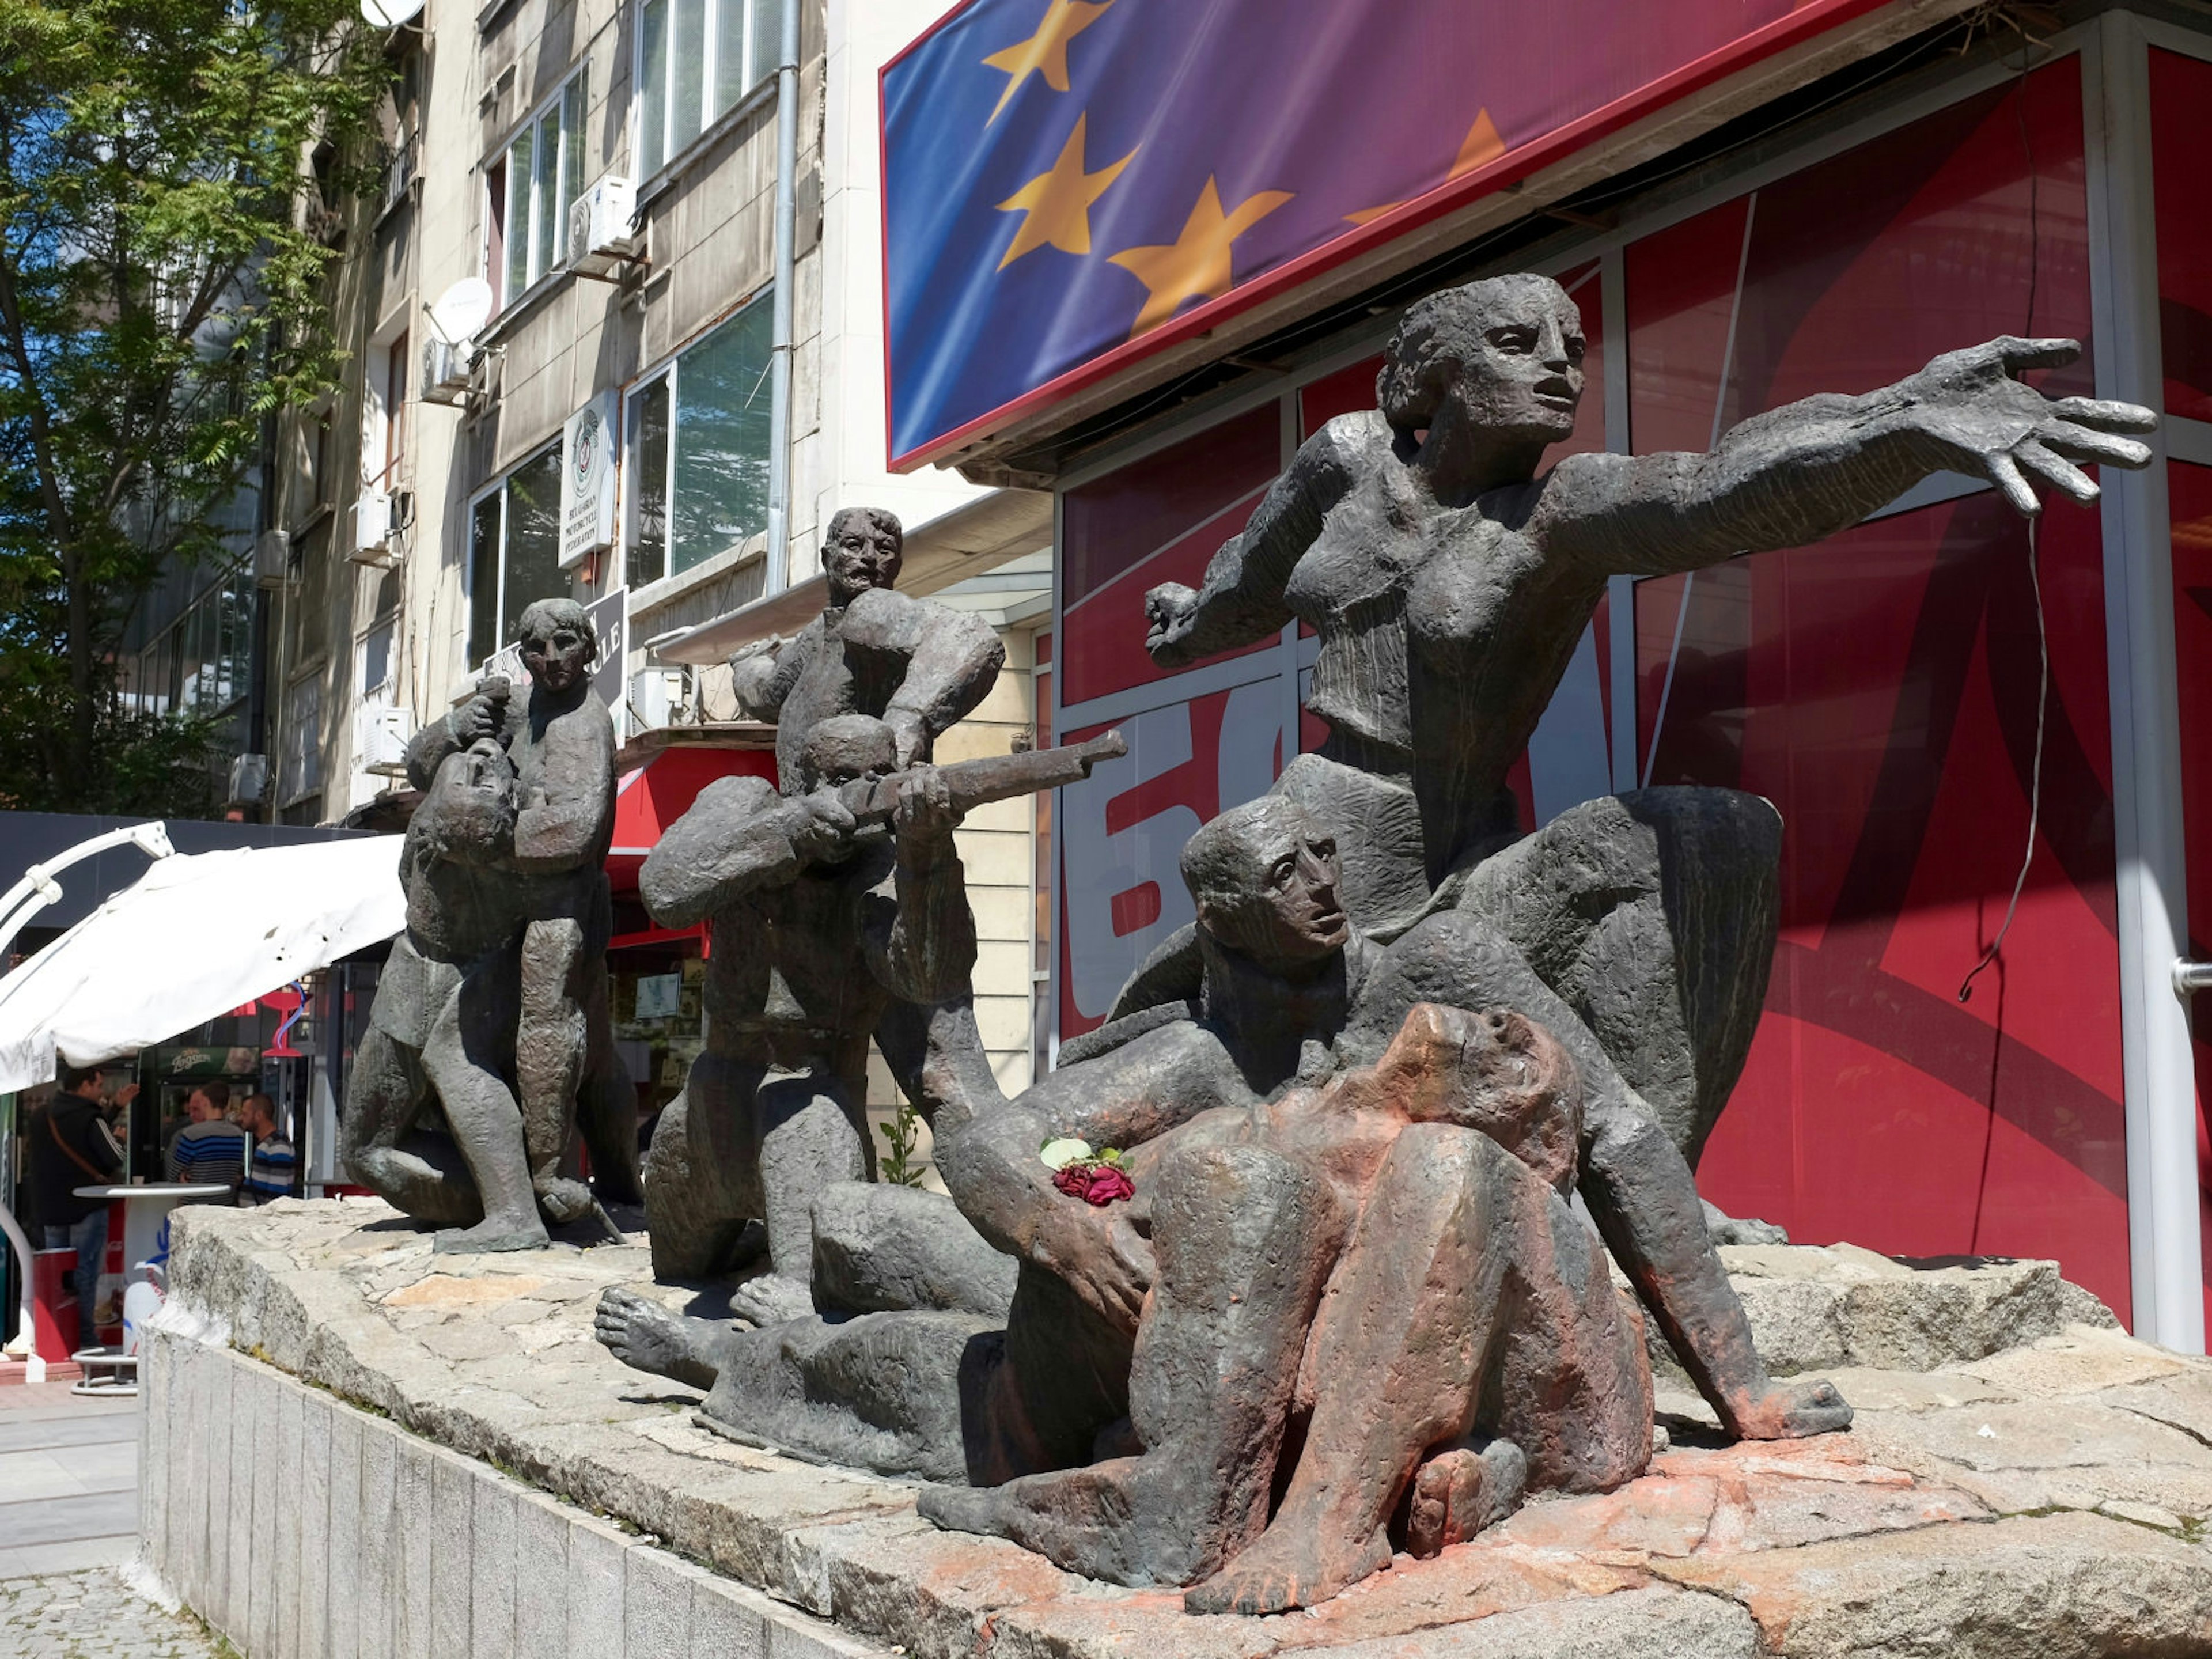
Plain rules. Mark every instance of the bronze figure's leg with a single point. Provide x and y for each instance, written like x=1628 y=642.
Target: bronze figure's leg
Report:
x=1399 y=1350
x=703 y=1173
x=1639 y=1190
x=1653 y=915
x=550 y=1045
x=380 y=1147
x=810 y=1136
x=461 y=1060
x=606 y=1109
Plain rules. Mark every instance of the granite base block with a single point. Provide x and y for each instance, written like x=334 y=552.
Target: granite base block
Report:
x=2023 y=1479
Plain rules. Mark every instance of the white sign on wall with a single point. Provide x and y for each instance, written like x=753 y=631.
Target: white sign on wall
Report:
x=587 y=480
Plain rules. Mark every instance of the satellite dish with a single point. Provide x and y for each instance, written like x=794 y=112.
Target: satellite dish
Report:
x=461 y=309
x=390 y=13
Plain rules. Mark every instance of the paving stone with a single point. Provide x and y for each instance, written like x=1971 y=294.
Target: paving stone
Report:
x=93 y=1615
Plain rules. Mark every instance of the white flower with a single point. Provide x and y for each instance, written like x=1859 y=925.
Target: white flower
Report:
x=1059 y=1154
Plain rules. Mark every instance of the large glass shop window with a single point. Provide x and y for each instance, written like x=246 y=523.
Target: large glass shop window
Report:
x=2191 y=504
x=2181 y=138
x=1880 y=689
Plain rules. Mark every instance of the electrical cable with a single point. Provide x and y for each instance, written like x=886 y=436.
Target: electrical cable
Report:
x=2034 y=577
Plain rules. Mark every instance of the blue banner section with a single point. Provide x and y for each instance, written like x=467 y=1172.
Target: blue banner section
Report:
x=1062 y=176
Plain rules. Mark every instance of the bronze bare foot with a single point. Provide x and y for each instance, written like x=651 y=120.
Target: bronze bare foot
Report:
x=772 y=1298
x=491 y=1234
x=640 y=1333
x=1287 y=1568
x=1792 y=1411
x=1459 y=1491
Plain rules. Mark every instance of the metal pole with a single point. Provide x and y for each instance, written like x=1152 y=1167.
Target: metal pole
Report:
x=27 y=1335
x=2150 y=880
x=787 y=258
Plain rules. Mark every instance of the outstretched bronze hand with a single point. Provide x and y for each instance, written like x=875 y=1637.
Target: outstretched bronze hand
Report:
x=1973 y=408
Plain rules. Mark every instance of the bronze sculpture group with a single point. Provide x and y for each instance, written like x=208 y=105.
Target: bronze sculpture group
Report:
x=1278 y=1271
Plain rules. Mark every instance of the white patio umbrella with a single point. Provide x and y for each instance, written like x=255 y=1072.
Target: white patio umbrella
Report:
x=197 y=936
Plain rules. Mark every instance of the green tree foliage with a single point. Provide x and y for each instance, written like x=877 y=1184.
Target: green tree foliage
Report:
x=163 y=225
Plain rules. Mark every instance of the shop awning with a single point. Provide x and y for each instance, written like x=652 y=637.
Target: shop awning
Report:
x=654 y=795
x=195 y=937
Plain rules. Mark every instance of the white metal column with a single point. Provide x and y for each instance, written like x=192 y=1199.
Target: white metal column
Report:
x=2167 y=1274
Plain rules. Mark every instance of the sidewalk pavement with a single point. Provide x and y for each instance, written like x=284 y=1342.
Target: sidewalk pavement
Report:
x=69 y=1481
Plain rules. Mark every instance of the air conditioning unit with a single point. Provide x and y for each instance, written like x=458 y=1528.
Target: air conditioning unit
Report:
x=379 y=738
x=447 y=370
x=272 y=559
x=599 y=227
x=249 y=780
x=379 y=516
x=656 y=698
x=372 y=522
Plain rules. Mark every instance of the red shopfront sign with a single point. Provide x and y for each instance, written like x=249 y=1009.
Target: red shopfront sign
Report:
x=1071 y=186
x=1880 y=689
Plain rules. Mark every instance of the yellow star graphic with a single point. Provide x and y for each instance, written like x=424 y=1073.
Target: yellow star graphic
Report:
x=1056 y=206
x=1481 y=145
x=1044 y=52
x=1196 y=264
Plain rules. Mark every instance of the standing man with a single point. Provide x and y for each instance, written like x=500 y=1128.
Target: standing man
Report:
x=273 y=1165
x=562 y=744
x=916 y=667
x=210 y=1148
x=822 y=925
x=72 y=1146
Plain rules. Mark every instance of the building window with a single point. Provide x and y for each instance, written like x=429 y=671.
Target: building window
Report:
x=698 y=450
x=377 y=659
x=201 y=664
x=532 y=184
x=300 y=758
x=514 y=552
x=391 y=413
x=699 y=58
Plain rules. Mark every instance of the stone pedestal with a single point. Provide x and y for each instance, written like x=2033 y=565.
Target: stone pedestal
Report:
x=355 y=1448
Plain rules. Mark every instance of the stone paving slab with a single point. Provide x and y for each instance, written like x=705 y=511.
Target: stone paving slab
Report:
x=93 y=1615
x=2046 y=1499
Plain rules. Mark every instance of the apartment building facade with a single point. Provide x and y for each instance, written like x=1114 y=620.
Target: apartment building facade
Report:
x=528 y=412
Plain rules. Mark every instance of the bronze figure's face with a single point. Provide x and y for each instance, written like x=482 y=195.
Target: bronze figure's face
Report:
x=468 y=816
x=1500 y=360
x=848 y=749
x=863 y=551
x=557 y=645
x=1267 y=882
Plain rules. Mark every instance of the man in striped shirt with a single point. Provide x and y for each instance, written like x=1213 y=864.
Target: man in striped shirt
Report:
x=269 y=1171
x=209 y=1149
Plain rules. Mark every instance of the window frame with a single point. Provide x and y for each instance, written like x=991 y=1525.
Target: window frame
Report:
x=671 y=153
x=471 y=662
x=389 y=685
x=503 y=181
x=667 y=371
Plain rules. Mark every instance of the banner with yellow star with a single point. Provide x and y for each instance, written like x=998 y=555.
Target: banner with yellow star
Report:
x=1071 y=185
